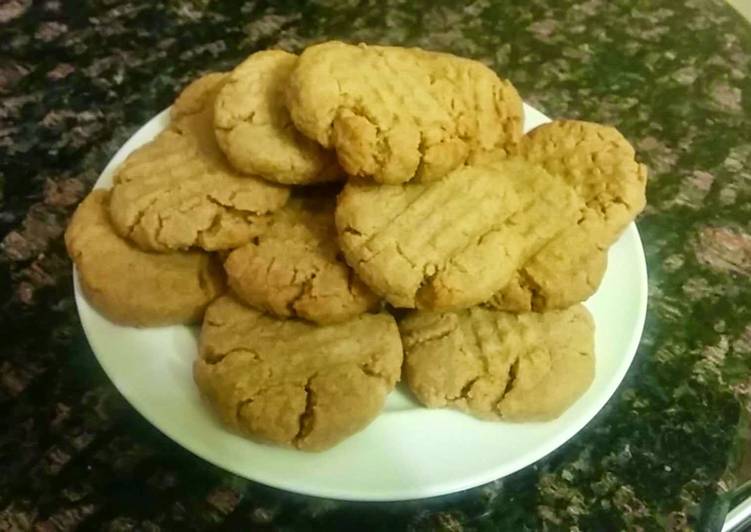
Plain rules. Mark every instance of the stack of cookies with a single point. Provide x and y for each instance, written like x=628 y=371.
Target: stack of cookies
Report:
x=298 y=203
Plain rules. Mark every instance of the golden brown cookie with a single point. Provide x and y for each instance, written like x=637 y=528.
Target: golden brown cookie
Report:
x=192 y=114
x=294 y=267
x=454 y=242
x=255 y=130
x=568 y=270
x=292 y=382
x=134 y=287
x=395 y=114
x=178 y=191
x=497 y=365
x=600 y=164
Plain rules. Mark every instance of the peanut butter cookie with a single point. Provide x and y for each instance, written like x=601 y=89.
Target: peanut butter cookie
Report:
x=192 y=113
x=454 y=242
x=134 y=287
x=255 y=130
x=496 y=365
x=292 y=382
x=395 y=114
x=600 y=164
x=178 y=191
x=294 y=267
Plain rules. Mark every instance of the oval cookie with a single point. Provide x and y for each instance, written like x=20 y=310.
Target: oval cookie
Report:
x=134 y=287
x=178 y=191
x=454 y=242
x=255 y=130
x=600 y=164
x=497 y=365
x=292 y=382
x=395 y=114
x=294 y=267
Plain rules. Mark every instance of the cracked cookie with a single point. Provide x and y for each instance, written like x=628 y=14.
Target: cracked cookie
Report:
x=497 y=365
x=454 y=242
x=294 y=267
x=395 y=114
x=601 y=165
x=291 y=382
x=134 y=287
x=178 y=191
x=192 y=114
x=255 y=130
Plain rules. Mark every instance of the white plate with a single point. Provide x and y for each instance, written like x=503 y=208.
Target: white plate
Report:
x=408 y=452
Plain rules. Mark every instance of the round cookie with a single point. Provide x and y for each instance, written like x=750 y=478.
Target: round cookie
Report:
x=395 y=114
x=497 y=365
x=291 y=382
x=451 y=243
x=178 y=191
x=595 y=159
x=294 y=267
x=566 y=271
x=600 y=164
x=134 y=287
x=255 y=130
x=192 y=114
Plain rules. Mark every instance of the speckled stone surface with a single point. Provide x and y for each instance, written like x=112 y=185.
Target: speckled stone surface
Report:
x=76 y=80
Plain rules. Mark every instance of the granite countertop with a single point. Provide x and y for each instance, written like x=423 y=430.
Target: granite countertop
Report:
x=666 y=452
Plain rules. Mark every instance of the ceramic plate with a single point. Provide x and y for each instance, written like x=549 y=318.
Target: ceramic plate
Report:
x=408 y=452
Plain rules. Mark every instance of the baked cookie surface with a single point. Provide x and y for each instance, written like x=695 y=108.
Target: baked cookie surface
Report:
x=294 y=267
x=600 y=164
x=134 y=287
x=497 y=365
x=178 y=191
x=192 y=114
x=291 y=382
x=454 y=242
x=255 y=130
x=395 y=114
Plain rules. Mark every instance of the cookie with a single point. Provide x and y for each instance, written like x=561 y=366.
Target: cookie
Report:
x=134 y=287
x=454 y=242
x=255 y=130
x=395 y=114
x=192 y=114
x=294 y=267
x=291 y=382
x=497 y=365
x=178 y=191
x=568 y=270
x=600 y=164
